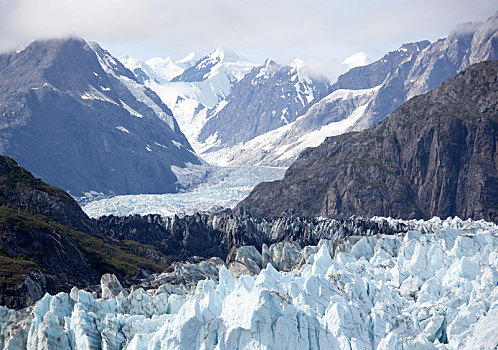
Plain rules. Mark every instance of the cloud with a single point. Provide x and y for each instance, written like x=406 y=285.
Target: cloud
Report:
x=320 y=30
x=356 y=60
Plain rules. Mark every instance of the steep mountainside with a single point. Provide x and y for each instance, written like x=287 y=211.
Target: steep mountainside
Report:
x=435 y=155
x=368 y=94
x=79 y=119
x=270 y=96
x=47 y=243
x=192 y=87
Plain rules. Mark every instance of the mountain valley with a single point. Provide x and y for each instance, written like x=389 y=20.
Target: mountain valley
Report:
x=214 y=202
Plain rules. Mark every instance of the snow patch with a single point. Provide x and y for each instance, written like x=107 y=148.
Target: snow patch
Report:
x=94 y=94
x=123 y=129
x=177 y=144
x=130 y=110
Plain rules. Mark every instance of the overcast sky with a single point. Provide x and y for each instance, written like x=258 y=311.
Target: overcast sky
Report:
x=323 y=32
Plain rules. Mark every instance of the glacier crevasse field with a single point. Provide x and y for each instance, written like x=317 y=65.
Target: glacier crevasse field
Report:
x=433 y=287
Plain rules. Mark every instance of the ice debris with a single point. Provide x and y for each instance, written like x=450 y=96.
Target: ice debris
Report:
x=417 y=290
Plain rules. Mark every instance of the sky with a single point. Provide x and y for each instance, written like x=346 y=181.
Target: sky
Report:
x=325 y=33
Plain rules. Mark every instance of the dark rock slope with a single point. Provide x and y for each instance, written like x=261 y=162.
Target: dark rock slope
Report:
x=77 y=118
x=214 y=235
x=268 y=97
x=48 y=244
x=435 y=155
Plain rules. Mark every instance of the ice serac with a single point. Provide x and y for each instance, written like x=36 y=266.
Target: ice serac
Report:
x=433 y=287
x=435 y=155
x=75 y=116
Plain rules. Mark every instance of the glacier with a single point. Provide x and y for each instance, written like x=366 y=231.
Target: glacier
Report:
x=191 y=98
x=206 y=188
x=431 y=287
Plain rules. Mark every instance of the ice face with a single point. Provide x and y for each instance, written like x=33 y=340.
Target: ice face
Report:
x=434 y=290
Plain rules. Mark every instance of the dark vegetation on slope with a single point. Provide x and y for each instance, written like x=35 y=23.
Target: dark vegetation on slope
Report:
x=48 y=244
x=436 y=155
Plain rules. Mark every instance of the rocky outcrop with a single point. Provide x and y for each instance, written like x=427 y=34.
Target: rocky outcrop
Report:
x=434 y=156
x=182 y=276
x=215 y=235
x=111 y=287
x=48 y=244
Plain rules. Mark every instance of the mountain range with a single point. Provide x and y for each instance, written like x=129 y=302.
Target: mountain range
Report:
x=366 y=95
x=82 y=120
x=325 y=258
x=269 y=113
x=434 y=156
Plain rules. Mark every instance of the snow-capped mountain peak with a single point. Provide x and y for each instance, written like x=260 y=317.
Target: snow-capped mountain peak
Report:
x=280 y=93
x=142 y=70
x=223 y=55
x=188 y=61
x=218 y=59
x=191 y=88
x=298 y=66
x=165 y=69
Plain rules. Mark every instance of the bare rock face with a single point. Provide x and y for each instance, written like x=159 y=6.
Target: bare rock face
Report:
x=245 y=260
x=111 y=287
x=436 y=155
x=76 y=117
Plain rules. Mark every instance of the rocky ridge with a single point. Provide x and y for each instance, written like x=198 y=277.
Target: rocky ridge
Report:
x=215 y=235
x=77 y=118
x=434 y=156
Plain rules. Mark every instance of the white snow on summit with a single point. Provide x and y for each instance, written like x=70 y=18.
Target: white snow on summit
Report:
x=190 y=101
x=281 y=146
x=164 y=68
x=432 y=288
